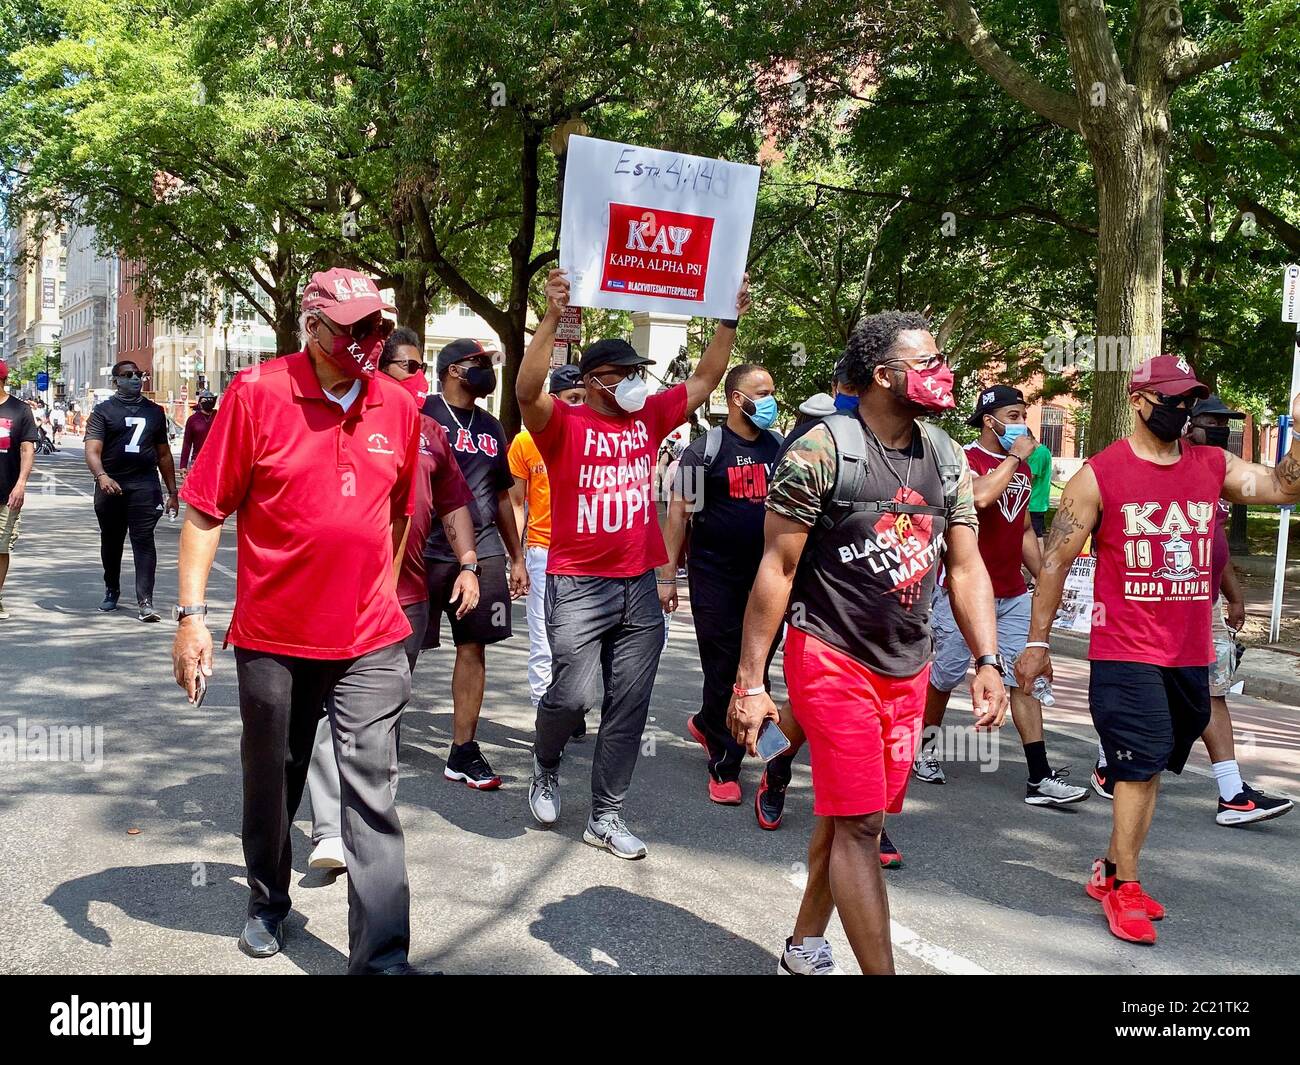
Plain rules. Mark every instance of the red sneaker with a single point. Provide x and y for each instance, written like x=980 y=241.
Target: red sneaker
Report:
x=890 y=856
x=724 y=792
x=1126 y=911
x=1100 y=885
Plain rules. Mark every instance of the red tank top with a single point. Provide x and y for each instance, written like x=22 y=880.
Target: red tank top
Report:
x=1155 y=550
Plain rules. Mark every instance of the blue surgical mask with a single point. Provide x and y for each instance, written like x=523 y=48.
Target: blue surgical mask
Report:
x=845 y=403
x=1011 y=433
x=763 y=414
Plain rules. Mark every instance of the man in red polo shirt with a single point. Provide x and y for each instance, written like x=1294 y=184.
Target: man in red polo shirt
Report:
x=317 y=454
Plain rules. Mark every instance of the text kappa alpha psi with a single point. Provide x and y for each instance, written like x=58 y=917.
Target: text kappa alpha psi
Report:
x=1167 y=554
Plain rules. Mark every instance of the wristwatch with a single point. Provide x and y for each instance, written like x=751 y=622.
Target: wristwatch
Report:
x=179 y=612
x=471 y=567
x=994 y=660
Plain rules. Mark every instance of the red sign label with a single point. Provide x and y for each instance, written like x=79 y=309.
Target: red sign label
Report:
x=656 y=253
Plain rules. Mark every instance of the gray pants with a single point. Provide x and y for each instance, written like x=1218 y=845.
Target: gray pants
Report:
x=280 y=700
x=323 y=772
x=615 y=626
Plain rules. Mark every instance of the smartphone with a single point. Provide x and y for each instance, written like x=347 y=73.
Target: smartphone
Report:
x=771 y=740
x=201 y=687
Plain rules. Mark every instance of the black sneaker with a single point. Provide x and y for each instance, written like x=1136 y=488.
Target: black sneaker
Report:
x=148 y=613
x=769 y=803
x=580 y=731
x=1251 y=806
x=1103 y=783
x=466 y=762
x=890 y=858
x=110 y=600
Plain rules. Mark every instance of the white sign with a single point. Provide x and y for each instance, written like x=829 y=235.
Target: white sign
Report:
x=647 y=230
x=1075 y=613
x=1291 y=294
x=569 y=328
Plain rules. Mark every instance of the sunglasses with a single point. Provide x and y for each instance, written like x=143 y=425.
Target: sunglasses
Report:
x=131 y=375
x=409 y=365
x=383 y=327
x=1185 y=402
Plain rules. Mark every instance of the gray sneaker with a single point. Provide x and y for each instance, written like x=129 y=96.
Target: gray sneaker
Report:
x=1054 y=791
x=927 y=767
x=4 y=614
x=544 y=794
x=612 y=834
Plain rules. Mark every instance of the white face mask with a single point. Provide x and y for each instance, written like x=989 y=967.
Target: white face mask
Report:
x=630 y=394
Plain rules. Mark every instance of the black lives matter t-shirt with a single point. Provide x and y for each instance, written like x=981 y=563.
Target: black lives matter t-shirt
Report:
x=133 y=435
x=479 y=444
x=725 y=502
x=17 y=427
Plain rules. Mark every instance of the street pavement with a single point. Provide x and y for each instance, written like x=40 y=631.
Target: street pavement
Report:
x=132 y=863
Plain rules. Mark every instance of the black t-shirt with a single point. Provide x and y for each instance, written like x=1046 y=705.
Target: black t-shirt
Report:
x=479 y=444
x=17 y=427
x=727 y=528
x=132 y=434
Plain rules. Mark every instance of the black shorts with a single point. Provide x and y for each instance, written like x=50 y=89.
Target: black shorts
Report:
x=489 y=622
x=1147 y=717
x=1038 y=519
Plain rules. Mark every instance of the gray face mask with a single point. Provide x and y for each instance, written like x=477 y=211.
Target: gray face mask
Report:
x=129 y=387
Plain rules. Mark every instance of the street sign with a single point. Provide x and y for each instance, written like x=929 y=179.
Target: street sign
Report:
x=42 y=381
x=559 y=354
x=1291 y=294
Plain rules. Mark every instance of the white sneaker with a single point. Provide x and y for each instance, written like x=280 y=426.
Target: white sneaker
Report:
x=328 y=854
x=4 y=614
x=812 y=957
x=544 y=794
x=926 y=767
x=1054 y=791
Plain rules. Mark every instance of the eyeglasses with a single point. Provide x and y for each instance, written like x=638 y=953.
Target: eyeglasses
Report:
x=620 y=374
x=1186 y=401
x=932 y=362
x=409 y=365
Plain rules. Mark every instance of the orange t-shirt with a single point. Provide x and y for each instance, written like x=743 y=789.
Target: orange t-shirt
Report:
x=526 y=463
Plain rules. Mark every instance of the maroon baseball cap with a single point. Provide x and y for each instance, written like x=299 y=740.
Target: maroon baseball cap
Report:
x=343 y=296
x=4 y=369
x=1169 y=374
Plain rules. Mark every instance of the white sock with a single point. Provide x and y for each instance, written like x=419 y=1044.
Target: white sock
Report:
x=1101 y=755
x=1229 y=778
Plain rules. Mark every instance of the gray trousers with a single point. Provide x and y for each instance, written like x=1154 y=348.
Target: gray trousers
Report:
x=280 y=700
x=612 y=627
x=323 y=772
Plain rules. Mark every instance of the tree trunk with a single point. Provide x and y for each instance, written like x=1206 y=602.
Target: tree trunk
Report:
x=287 y=339
x=411 y=294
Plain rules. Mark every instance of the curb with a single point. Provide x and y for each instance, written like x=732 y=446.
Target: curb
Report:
x=1262 y=566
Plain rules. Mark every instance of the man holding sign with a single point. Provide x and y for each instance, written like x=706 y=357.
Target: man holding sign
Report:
x=602 y=604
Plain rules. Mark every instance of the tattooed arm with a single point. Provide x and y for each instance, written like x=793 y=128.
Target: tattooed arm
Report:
x=1252 y=482
x=1076 y=517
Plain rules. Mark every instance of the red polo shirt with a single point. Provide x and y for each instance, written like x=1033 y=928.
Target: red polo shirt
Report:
x=317 y=491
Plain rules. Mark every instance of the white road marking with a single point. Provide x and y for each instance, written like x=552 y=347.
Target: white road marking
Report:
x=931 y=954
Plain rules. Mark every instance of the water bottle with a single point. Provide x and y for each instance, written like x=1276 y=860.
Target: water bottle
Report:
x=1042 y=691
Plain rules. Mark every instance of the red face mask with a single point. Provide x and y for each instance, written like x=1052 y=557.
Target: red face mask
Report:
x=416 y=385
x=931 y=389
x=356 y=356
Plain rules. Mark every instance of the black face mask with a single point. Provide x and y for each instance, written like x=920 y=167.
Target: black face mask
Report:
x=1167 y=423
x=1217 y=435
x=128 y=388
x=480 y=381
x=207 y=404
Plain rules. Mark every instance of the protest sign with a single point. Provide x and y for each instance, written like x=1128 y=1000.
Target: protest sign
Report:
x=648 y=230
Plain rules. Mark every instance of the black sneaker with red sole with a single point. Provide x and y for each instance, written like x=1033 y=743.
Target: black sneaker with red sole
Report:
x=769 y=803
x=466 y=763
x=1251 y=806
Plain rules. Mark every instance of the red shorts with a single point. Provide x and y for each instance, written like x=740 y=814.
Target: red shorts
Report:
x=862 y=728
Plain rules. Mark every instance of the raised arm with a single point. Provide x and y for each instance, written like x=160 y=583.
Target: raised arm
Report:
x=1252 y=482
x=1076 y=517
x=535 y=403
x=713 y=363
x=990 y=486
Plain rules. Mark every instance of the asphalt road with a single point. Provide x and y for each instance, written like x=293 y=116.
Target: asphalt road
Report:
x=988 y=885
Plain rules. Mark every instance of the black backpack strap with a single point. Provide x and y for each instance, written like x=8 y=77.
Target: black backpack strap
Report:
x=948 y=459
x=850 y=465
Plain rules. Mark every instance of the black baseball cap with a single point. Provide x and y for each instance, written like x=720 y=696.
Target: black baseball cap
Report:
x=1212 y=404
x=841 y=374
x=565 y=377
x=459 y=350
x=991 y=399
x=610 y=353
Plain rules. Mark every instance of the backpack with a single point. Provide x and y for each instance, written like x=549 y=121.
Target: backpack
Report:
x=850 y=440
x=713 y=445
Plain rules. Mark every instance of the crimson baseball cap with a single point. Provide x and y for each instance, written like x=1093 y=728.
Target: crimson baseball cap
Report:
x=459 y=350
x=4 y=369
x=343 y=296
x=610 y=353
x=1169 y=374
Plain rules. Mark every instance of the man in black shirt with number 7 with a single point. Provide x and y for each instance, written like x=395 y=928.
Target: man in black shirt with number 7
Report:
x=126 y=448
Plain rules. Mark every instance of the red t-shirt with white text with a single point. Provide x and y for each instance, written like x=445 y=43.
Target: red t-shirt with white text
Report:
x=603 y=518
